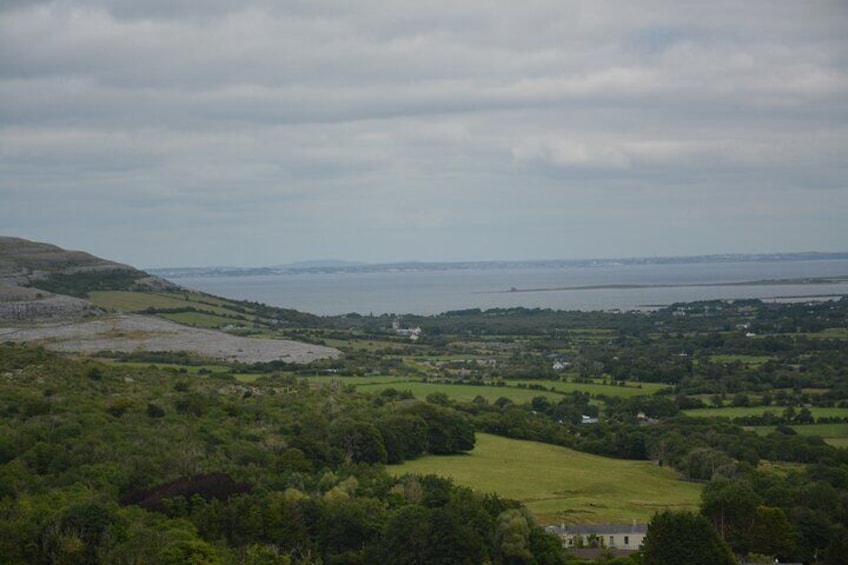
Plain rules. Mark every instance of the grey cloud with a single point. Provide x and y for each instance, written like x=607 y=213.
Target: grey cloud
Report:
x=377 y=129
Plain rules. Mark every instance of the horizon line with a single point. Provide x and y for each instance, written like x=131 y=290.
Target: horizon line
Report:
x=338 y=264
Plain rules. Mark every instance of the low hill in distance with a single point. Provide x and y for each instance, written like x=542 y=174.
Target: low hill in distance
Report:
x=74 y=301
x=336 y=266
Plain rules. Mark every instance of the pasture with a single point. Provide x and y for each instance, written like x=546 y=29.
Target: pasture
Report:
x=742 y=411
x=553 y=390
x=560 y=485
x=462 y=393
x=834 y=434
x=831 y=333
x=629 y=390
x=388 y=381
x=355 y=344
x=198 y=319
x=131 y=301
x=749 y=360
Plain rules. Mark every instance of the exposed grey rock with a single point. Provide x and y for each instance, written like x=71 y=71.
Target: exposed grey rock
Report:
x=128 y=333
x=65 y=323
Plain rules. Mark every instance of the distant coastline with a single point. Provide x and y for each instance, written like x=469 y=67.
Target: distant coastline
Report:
x=354 y=267
x=763 y=282
x=613 y=286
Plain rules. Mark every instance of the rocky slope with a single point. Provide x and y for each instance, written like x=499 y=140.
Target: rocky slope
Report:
x=40 y=282
x=126 y=333
x=43 y=291
x=42 y=265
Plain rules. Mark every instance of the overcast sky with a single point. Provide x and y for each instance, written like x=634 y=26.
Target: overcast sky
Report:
x=222 y=132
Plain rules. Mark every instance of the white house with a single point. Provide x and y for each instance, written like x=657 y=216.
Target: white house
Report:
x=411 y=333
x=613 y=536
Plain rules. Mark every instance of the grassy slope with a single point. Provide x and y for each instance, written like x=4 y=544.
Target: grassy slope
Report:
x=130 y=301
x=632 y=389
x=561 y=485
x=462 y=393
x=467 y=393
x=20 y=254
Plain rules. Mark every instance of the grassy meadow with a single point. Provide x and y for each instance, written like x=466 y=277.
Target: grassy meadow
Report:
x=560 y=485
x=198 y=319
x=511 y=389
x=629 y=390
x=131 y=301
x=388 y=381
x=462 y=393
x=741 y=411
x=831 y=333
x=749 y=360
x=834 y=434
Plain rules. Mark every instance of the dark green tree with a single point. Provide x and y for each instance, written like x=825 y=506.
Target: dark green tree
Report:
x=406 y=537
x=684 y=538
x=771 y=533
x=360 y=442
x=512 y=537
x=731 y=506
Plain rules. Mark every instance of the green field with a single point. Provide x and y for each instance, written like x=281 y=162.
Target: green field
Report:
x=198 y=319
x=630 y=389
x=511 y=390
x=560 y=485
x=591 y=335
x=834 y=434
x=370 y=346
x=831 y=333
x=838 y=441
x=463 y=393
x=744 y=359
x=387 y=381
x=129 y=301
x=248 y=378
x=740 y=411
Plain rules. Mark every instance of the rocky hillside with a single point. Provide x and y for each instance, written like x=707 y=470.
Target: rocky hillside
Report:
x=40 y=282
x=75 y=273
x=22 y=255
x=44 y=293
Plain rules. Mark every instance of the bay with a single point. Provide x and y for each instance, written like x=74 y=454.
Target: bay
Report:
x=604 y=287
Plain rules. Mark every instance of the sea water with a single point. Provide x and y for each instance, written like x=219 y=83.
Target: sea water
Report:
x=428 y=292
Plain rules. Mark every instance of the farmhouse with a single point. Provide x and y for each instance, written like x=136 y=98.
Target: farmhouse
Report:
x=592 y=536
x=411 y=333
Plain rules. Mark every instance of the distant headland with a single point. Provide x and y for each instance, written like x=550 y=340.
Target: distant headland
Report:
x=336 y=266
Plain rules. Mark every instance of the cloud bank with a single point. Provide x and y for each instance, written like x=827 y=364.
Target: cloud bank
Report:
x=250 y=133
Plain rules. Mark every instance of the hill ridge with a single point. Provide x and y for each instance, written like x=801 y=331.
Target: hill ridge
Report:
x=45 y=296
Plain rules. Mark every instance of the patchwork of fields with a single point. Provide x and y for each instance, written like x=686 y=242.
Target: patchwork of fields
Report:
x=205 y=311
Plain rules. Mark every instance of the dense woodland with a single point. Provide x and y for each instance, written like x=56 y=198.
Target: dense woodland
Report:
x=118 y=465
x=108 y=461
